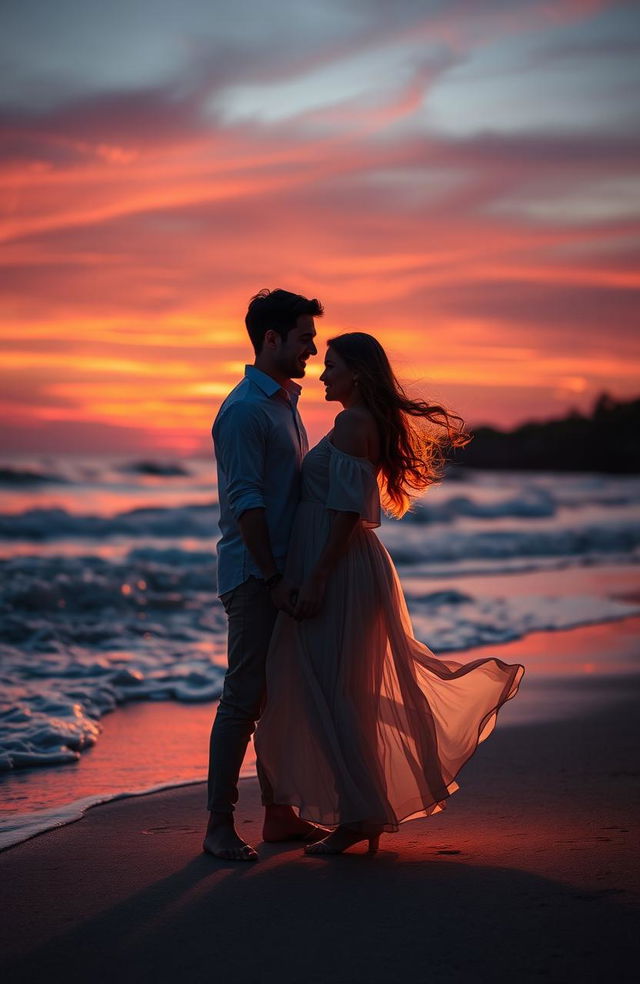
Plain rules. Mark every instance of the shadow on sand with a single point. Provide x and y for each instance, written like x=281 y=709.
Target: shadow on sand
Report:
x=346 y=920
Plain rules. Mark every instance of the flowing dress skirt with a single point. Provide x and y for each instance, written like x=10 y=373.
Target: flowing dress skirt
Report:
x=363 y=724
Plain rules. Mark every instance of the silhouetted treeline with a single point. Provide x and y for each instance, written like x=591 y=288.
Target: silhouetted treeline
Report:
x=605 y=441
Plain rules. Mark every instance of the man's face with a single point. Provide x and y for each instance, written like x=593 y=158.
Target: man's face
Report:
x=298 y=347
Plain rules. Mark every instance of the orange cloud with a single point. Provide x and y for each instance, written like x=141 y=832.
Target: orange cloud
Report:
x=137 y=226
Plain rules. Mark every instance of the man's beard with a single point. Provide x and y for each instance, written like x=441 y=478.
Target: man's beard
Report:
x=293 y=368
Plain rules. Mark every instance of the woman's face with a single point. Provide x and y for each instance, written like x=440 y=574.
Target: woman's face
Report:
x=337 y=378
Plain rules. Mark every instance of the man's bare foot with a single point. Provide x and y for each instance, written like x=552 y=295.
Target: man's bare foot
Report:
x=281 y=823
x=222 y=841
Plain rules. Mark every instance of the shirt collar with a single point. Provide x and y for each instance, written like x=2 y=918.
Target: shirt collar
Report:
x=268 y=384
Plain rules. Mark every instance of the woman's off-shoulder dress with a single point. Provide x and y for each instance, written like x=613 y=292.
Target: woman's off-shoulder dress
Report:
x=363 y=724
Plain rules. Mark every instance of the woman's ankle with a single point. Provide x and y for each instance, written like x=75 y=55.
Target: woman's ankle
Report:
x=363 y=829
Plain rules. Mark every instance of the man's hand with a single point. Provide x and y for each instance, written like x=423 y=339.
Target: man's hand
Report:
x=283 y=594
x=310 y=597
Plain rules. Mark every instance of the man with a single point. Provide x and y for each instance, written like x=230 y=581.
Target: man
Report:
x=259 y=442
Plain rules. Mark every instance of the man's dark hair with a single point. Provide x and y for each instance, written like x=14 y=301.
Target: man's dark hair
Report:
x=277 y=310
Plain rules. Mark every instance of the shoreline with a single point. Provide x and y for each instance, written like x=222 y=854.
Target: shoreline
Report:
x=561 y=696
x=531 y=871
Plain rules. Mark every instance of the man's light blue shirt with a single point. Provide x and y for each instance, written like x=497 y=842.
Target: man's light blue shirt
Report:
x=259 y=443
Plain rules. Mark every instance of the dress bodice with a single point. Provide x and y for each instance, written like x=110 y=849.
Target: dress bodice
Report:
x=341 y=481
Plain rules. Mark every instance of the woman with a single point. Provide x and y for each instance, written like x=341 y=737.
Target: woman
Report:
x=363 y=726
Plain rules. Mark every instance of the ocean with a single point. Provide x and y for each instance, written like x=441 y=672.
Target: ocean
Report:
x=108 y=596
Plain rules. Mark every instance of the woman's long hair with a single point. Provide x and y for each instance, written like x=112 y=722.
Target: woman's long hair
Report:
x=414 y=434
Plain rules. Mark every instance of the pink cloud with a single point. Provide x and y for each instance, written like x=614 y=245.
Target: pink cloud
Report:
x=138 y=225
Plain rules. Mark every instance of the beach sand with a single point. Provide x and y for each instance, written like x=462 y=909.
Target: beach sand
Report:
x=530 y=874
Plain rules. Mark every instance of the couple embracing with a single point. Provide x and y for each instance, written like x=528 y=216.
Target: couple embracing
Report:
x=359 y=725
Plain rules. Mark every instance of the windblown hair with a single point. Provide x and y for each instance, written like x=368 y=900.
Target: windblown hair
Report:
x=277 y=310
x=414 y=435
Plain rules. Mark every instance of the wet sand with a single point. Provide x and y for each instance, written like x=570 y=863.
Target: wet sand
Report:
x=532 y=873
x=148 y=744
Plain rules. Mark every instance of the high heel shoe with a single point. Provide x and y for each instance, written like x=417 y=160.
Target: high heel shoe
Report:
x=340 y=840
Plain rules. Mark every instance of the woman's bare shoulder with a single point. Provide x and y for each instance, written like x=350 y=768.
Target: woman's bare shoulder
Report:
x=352 y=431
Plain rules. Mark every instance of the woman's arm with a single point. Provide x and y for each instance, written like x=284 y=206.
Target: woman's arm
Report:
x=311 y=593
x=349 y=435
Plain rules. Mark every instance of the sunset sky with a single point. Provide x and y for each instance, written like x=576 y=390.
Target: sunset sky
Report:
x=459 y=178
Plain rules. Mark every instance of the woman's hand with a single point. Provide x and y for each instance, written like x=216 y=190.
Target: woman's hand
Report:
x=283 y=595
x=310 y=597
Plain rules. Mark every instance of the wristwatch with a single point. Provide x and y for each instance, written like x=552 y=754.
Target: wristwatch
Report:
x=270 y=582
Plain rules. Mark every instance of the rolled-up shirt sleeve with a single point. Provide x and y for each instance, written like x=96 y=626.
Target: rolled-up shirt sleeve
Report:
x=240 y=440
